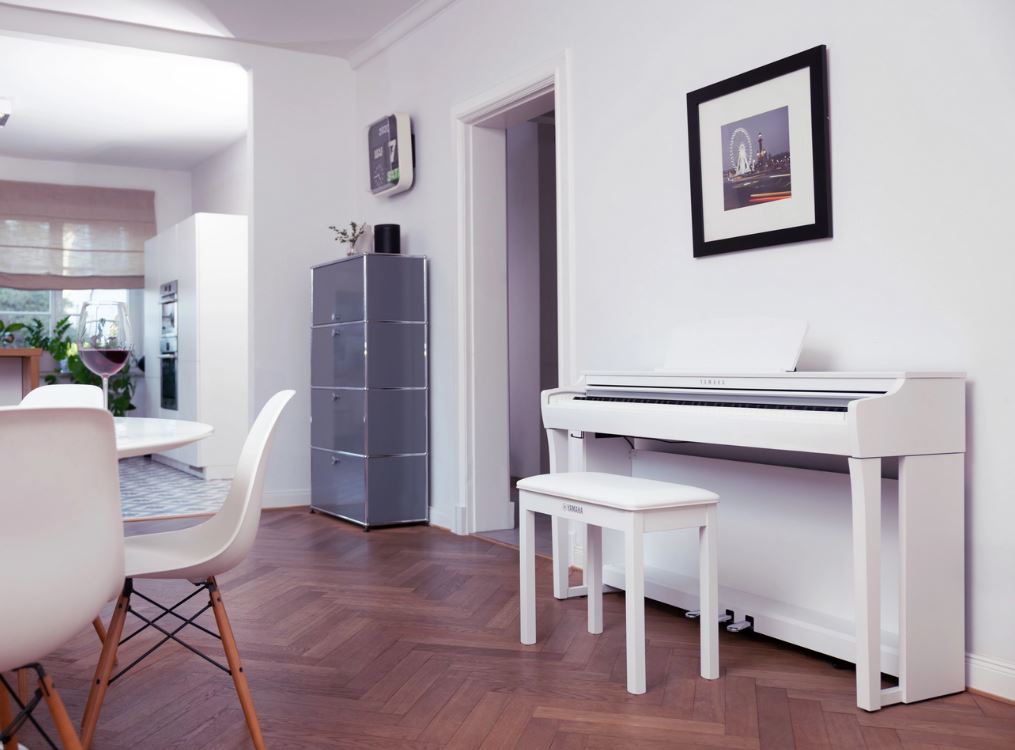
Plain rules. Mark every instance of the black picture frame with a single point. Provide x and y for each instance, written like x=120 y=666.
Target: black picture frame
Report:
x=815 y=60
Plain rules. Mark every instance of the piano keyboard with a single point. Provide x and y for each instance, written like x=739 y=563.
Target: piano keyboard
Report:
x=727 y=404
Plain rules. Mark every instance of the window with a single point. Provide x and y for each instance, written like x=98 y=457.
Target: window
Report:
x=21 y=305
x=49 y=306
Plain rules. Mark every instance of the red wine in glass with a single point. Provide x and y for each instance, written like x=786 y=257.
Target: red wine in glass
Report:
x=104 y=362
x=104 y=340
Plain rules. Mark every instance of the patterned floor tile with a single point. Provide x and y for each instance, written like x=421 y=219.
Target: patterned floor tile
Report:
x=150 y=489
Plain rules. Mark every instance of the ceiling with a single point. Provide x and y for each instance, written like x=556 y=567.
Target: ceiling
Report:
x=93 y=103
x=329 y=27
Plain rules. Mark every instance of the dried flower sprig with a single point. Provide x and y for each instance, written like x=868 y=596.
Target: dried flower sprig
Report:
x=349 y=236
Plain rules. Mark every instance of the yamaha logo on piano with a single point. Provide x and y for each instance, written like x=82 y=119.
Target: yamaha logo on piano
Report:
x=572 y=508
x=711 y=381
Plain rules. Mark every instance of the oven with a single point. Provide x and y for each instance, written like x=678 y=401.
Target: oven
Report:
x=168 y=346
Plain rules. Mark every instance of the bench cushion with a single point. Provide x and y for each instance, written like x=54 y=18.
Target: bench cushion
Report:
x=616 y=490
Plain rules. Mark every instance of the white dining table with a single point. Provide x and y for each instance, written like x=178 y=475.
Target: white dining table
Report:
x=139 y=436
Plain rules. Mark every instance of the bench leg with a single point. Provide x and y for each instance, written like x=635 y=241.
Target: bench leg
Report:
x=709 y=597
x=594 y=577
x=527 y=572
x=634 y=596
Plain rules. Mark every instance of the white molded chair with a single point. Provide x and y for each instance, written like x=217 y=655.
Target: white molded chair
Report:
x=61 y=556
x=64 y=394
x=198 y=554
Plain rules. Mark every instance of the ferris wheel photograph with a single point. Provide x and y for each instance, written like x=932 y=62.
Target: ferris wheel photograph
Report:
x=756 y=160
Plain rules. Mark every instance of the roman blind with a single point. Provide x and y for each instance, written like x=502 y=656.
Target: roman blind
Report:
x=73 y=237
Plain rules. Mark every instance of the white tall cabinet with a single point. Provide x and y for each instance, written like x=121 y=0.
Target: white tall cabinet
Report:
x=207 y=255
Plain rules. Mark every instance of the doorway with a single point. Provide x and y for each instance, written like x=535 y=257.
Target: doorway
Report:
x=485 y=319
x=531 y=304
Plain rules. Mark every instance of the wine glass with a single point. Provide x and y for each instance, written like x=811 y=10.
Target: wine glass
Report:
x=104 y=340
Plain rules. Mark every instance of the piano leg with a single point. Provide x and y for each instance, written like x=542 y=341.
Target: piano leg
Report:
x=561 y=529
x=580 y=452
x=865 y=482
x=564 y=453
x=932 y=612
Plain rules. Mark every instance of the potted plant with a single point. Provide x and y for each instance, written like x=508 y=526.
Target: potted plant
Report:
x=7 y=332
x=56 y=345
x=351 y=236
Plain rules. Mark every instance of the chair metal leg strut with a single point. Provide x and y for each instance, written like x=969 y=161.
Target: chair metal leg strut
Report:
x=9 y=726
x=104 y=676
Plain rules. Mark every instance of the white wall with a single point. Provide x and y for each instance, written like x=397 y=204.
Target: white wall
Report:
x=221 y=183
x=172 y=187
x=918 y=274
x=302 y=144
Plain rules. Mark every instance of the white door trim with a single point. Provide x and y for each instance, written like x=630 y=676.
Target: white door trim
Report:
x=492 y=109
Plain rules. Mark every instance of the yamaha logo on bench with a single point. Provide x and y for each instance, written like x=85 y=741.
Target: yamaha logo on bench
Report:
x=572 y=508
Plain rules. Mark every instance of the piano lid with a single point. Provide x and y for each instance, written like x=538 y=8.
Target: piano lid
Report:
x=736 y=345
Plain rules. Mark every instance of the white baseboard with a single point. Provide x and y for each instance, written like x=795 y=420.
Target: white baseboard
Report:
x=443 y=516
x=990 y=676
x=454 y=518
x=285 y=498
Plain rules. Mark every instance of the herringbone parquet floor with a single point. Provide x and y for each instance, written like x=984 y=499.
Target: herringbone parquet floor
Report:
x=408 y=638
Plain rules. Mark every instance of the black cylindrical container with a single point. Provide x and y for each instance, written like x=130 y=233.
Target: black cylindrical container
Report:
x=387 y=238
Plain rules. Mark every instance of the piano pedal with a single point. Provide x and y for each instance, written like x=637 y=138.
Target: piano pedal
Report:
x=741 y=625
x=724 y=617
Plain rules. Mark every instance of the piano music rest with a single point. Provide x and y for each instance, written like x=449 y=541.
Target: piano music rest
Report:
x=633 y=506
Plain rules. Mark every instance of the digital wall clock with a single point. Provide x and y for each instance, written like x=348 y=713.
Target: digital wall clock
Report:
x=390 y=143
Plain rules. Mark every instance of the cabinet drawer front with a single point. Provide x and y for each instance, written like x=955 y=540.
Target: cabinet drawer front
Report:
x=338 y=292
x=397 y=489
x=396 y=355
x=396 y=422
x=337 y=356
x=338 y=420
x=395 y=288
x=338 y=484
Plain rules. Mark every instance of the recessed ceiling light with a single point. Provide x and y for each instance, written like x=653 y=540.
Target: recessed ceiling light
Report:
x=5 y=111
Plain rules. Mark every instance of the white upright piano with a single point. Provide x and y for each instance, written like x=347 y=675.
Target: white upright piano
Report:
x=866 y=417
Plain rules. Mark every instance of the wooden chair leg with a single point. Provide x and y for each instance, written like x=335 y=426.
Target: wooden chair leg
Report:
x=104 y=669
x=64 y=727
x=100 y=629
x=235 y=667
x=7 y=714
x=23 y=685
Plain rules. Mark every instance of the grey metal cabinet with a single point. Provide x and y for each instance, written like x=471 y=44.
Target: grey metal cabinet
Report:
x=369 y=392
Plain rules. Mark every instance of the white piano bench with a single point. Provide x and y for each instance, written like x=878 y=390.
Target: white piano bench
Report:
x=633 y=506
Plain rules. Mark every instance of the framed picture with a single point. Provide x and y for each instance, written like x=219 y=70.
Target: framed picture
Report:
x=759 y=157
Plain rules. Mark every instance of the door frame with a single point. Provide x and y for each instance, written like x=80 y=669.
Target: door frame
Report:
x=514 y=100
